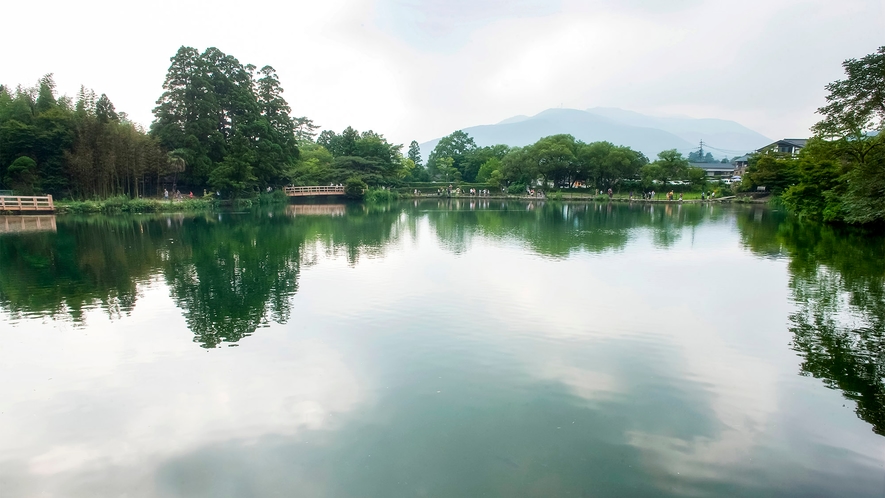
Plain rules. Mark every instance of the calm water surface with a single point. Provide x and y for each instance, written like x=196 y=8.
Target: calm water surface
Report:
x=442 y=349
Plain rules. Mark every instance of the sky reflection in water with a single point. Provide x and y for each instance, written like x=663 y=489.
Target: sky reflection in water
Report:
x=442 y=350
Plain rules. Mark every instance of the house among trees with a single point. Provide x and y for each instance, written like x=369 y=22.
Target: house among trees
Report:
x=740 y=164
x=786 y=146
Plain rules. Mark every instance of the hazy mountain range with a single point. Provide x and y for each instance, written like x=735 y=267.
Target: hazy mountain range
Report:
x=648 y=134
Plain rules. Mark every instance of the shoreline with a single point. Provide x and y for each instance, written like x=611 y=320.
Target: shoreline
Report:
x=589 y=198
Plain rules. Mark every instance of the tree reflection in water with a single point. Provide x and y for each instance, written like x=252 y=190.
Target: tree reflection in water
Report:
x=837 y=279
x=231 y=274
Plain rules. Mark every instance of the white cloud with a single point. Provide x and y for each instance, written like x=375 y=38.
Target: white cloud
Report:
x=417 y=70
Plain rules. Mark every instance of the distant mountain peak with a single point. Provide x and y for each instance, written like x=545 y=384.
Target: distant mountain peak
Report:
x=515 y=119
x=648 y=134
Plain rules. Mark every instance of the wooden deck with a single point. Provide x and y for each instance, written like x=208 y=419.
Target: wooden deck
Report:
x=316 y=190
x=26 y=203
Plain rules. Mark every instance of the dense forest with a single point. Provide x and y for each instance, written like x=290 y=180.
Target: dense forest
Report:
x=81 y=148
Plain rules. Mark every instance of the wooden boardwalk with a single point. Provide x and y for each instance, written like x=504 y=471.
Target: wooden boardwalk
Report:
x=316 y=190
x=26 y=203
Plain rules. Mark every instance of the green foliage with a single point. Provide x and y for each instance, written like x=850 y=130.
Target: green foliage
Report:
x=650 y=173
x=696 y=177
x=415 y=154
x=773 y=171
x=233 y=126
x=123 y=204
x=21 y=176
x=82 y=150
x=380 y=196
x=698 y=156
x=855 y=105
x=458 y=147
x=277 y=196
x=865 y=192
x=487 y=170
x=671 y=166
x=367 y=156
x=355 y=188
x=516 y=189
x=840 y=174
x=445 y=166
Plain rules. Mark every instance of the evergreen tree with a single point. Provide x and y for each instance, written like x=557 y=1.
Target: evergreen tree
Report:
x=215 y=112
x=415 y=154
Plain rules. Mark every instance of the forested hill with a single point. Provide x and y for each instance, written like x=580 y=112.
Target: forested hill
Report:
x=647 y=134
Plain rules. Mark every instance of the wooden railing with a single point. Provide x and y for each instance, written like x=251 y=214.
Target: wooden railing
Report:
x=316 y=190
x=26 y=203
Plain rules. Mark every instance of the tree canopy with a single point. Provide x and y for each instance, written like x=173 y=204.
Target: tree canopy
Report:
x=51 y=144
x=230 y=122
x=839 y=176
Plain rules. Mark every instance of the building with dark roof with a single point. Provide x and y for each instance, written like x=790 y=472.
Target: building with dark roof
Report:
x=715 y=169
x=786 y=146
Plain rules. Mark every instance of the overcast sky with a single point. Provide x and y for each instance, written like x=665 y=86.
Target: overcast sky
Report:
x=414 y=69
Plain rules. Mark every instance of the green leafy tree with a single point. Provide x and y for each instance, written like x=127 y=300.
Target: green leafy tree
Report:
x=519 y=167
x=487 y=170
x=458 y=147
x=314 y=166
x=367 y=155
x=649 y=174
x=447 y=170
x=355 y=188
x=673 y=166
x=555 y=158
x=855 y=105
x=774 y=172
x=22 y=177
x=696 y=177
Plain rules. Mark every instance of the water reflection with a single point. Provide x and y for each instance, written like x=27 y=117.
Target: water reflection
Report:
x=27 y=223
x=443 y=348
x=233 y=273
x=837 y=279
x=229 y=273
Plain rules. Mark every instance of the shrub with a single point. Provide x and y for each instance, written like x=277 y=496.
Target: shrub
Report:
x=516 y=189
x=275 y=197
x=379 y=196
x=354 y=188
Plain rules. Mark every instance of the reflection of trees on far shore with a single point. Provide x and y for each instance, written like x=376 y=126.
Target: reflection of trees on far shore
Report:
x=229 y=274
x=558 y=229
x=837 y=278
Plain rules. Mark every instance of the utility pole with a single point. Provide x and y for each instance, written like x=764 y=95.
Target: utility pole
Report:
x=702 y=150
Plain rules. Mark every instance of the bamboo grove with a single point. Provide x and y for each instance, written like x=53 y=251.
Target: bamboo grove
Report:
x=218 y=124
x=81 y=148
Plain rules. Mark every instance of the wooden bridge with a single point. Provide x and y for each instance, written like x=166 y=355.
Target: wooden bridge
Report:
x=26 y=203
x=316 y=190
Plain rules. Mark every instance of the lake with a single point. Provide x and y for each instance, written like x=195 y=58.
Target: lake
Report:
x=442 y=348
